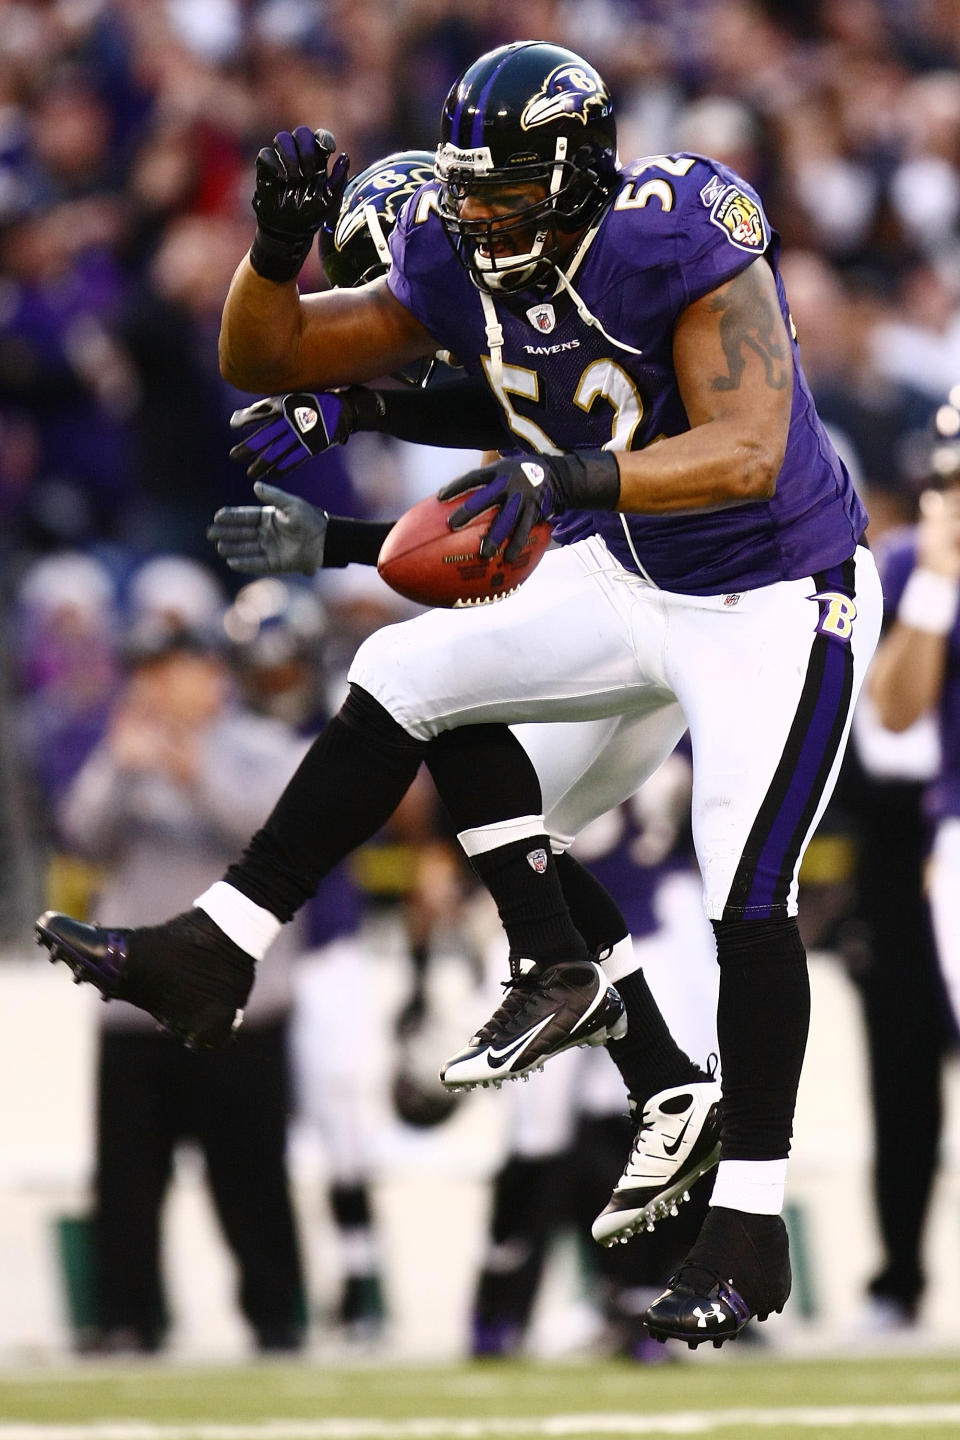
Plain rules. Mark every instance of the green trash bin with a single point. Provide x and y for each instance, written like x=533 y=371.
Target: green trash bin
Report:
x=73 y=1236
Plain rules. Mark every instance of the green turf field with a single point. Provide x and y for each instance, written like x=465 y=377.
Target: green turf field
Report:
x=724 y=1396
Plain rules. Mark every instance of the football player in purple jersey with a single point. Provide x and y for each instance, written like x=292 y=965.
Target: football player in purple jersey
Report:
x=675 y=1100
x=631 y=324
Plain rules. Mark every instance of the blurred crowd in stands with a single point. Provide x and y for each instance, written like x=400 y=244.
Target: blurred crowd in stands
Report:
x=128 y=134
x=128 y=131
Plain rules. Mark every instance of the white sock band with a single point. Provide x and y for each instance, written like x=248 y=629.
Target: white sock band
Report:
x=621 y=961
x=248 y=925
x=501 y=832
x=929 y=602
x=753 y=1185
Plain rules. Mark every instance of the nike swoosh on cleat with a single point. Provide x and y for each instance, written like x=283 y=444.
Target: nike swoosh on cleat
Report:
x=496 y=1059
x=675 y=1146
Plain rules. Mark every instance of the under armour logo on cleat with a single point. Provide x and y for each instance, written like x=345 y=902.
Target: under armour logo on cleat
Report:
x=714 y=1313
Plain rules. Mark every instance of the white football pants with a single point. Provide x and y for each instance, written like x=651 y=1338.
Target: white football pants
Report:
x=765 y=680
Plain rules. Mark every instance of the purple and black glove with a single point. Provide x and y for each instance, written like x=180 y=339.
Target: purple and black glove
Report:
x=291 y=428
x=525 y=491
x=294 y=196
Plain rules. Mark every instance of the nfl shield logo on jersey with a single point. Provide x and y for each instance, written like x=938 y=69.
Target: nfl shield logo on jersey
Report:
x=305 y=418
x=542 y=318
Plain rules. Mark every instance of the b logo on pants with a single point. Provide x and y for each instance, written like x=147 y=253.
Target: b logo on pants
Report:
x=837 y=614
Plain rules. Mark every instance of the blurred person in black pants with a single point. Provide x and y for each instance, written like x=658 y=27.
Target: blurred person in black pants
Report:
x=887 y=943
x=181 y=772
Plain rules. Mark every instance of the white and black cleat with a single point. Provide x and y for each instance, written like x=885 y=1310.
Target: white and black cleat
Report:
x=544 y=1012
x=677 y=1141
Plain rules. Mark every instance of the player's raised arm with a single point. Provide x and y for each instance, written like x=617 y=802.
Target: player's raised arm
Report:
x=271 y=337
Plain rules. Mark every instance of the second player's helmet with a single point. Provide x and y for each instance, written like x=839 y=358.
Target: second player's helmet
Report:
x=527 y=113
x=356 y=249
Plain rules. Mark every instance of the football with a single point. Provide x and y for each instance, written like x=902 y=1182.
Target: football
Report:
x=423 y=559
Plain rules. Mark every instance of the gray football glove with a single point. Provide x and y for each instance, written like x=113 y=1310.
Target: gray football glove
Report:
x=284 y=534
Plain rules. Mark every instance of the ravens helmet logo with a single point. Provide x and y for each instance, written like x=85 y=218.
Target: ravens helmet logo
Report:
x=568 y=90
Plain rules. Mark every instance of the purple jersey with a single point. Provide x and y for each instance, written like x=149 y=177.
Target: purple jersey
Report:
x=897 y=558
x=600 y=375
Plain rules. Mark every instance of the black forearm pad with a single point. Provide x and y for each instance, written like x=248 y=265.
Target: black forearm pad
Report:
x=278 y=258
x=590 y=480
x=353 y=541
x=462 y=415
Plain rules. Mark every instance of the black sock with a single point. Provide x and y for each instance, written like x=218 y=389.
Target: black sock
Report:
x=484 y=775
x=595 y=913
x=648 y=1057
x=522 y=878
x=762 y=1021
x=348 y=784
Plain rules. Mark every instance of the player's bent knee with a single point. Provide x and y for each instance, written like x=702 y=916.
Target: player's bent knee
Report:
x=391 y=666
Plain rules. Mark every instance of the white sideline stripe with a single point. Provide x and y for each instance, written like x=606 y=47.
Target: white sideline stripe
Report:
x=689 y=1422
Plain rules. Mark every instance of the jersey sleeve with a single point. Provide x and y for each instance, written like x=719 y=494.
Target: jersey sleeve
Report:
x=721 y=228
x=424 y=270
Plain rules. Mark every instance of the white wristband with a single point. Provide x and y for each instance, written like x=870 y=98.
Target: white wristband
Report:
x=929 y=602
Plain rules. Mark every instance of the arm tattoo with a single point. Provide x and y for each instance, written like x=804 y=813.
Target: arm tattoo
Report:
x=750 y=322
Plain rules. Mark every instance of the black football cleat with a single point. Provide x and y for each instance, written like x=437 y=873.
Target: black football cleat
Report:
x=186 y=973
x=738 y=1268
x=677 y=1141
x=544 y=1012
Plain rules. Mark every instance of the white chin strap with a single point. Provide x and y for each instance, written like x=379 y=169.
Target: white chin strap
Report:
x=376 y=233
x=513 y=271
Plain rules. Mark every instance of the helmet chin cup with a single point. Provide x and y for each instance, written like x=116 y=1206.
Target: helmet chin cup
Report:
x=510 y=272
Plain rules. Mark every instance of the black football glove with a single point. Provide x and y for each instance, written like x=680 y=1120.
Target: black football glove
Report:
x=524 y=491
x=294 y=196
x=283 y=534
x=291 y=428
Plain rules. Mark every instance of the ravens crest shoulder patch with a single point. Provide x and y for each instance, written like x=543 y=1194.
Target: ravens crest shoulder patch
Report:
x=742 y=219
